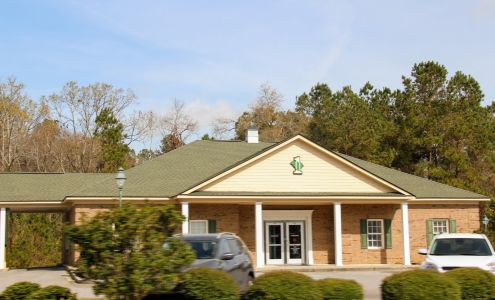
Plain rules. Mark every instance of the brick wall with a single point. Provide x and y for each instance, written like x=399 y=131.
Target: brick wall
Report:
x=351 y=240
x=467 y=217
x=239 y=219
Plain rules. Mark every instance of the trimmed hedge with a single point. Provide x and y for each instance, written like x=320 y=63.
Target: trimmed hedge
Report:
x=52 y=292
x=205 y=284
x=418 y=285
x=474 y=282
x=340 y=289
x=19 y=290
x=283 y=285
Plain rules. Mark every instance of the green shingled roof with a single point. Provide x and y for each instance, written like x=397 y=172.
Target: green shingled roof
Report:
x=417 y=186
x=44 y=187
x=175 y=172
x=179 y=170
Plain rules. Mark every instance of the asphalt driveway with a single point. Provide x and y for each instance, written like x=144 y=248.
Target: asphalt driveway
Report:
x=44 y=277
x=370 y=280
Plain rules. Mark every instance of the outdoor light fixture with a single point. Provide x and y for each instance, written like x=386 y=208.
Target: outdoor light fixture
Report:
x=485 y=221
x=120 y=180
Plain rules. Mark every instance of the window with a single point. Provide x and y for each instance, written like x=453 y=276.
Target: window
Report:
x=198 y=226
x=375 y=233
x=440 y=226
x=234 y=246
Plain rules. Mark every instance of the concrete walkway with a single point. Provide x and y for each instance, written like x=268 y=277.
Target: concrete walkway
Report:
x=44 y=277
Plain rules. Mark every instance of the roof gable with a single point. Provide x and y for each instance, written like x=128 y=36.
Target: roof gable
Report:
x=322 y=172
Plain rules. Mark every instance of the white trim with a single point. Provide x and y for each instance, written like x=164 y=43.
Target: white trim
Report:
x=205 y=222
x=305 y=140
x=271 y=261
x=258 y=223
x=295 y=215
x=185 y=213
x=295 y=197
x=382 y=233
x=447 y=225
x=3 y=233
x=405 y=234
x=337 y=229
x=295 y=261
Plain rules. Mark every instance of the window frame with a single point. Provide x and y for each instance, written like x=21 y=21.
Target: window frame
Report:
x=198 y=221
x=382 y=233
x=447 y=225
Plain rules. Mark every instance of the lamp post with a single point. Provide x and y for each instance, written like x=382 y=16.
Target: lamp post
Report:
x=120 y=180
x=485 y=222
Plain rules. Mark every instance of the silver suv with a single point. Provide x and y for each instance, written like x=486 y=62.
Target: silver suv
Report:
x=224 y=251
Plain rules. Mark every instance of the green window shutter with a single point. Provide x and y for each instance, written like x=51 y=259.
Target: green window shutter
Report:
x=364 y=233
x=429 y=232
x=452 y=226
x=212 y=226
x=388 y=233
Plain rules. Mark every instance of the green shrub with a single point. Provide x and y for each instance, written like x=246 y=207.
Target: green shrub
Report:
x=340 y=289
x=19 y=290
x=475 y=283
x=204 y=284
x=420 y=284
x=52 y=292
x=35 y=239
x=283 y=285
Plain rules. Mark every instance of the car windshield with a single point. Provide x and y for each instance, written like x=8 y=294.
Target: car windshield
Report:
x=460 y=246
x=203 y=249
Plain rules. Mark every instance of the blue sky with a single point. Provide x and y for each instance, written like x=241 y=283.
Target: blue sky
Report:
x=213 y=55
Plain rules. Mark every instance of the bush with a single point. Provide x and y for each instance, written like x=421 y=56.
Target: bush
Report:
x=475 y=283
x=204 y=284
x=340 y=289
x=284 y=285
x=52 y=292
x=420 y=284
x=19 y=290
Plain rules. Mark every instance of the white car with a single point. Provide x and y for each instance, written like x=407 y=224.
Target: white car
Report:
x=459 y=250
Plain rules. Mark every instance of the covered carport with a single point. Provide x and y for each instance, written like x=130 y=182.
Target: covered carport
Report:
x=40 y=193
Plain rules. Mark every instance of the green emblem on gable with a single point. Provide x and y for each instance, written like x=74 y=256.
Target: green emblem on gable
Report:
x=297 y=165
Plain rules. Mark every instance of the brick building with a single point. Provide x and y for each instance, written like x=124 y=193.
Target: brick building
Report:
x=292 y=202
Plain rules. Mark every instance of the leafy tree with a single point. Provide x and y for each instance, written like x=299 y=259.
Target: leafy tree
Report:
x=110 y=132
x=207 y=137
x=350 y=123
x=122 y=250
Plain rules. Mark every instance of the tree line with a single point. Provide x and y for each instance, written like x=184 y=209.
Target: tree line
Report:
x=434 y=126
x=81 y=129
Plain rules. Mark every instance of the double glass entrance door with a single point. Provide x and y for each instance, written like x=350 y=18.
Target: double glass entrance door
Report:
x=284 y=242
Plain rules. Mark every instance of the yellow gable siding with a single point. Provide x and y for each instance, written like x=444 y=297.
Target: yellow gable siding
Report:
x=321 y=173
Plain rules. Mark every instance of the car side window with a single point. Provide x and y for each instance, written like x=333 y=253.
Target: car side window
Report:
x=224 y=247
x=234 y=246
x=240 y=245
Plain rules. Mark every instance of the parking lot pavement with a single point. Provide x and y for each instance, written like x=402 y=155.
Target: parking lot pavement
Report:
x=369 y=280
x=44 y=277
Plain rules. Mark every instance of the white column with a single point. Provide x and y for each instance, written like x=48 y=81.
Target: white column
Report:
x=3 y=233
x=258 y=223
x=405 y=233
x=185 y=213
x=337 y=229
